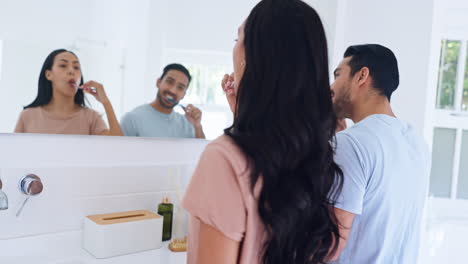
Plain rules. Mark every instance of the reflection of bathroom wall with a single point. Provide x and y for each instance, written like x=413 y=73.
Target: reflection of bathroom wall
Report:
x=22 y=62
x=122 y=43
x=202 y=34
x=89 y=175
x=31 y=33
x=30 y=30
x=194 y=33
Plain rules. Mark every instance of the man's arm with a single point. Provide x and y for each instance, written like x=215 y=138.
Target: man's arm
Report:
x=350 y=200
x=345 y=223
x=199 y=132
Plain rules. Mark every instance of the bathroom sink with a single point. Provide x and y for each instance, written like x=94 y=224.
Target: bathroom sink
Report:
x=65 y=248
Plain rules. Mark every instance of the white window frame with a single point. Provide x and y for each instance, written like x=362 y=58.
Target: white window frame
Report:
x=456 y=118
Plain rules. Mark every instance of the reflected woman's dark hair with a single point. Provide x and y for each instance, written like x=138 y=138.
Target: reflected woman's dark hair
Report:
x=44 y=92
x=284 y=123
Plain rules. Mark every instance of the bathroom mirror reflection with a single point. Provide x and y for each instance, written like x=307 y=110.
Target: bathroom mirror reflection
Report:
x=123 y=45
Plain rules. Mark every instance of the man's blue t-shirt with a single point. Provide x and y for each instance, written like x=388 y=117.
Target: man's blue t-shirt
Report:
x=145 y=121
x=386 y=168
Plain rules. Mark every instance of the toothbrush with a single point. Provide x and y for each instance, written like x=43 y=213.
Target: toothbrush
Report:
x=174 y=102
x=93 y=90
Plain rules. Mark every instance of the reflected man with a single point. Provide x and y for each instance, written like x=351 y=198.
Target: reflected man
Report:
x=158 y=119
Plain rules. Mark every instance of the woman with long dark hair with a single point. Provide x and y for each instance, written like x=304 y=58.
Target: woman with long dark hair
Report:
x=264 y=191
x=60 y=107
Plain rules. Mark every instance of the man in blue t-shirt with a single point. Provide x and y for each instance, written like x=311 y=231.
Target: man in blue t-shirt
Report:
x=385 y=163
x=158 y=119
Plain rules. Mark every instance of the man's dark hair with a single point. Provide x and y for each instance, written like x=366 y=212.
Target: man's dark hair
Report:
x=382 y=64
x=177 y=67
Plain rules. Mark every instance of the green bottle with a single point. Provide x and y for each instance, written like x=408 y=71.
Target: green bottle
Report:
x=165 y=209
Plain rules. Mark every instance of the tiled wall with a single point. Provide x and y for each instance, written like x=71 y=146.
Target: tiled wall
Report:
x=72 y=193
x=74 y=188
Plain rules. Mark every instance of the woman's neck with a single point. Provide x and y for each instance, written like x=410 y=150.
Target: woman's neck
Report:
x=62 y=105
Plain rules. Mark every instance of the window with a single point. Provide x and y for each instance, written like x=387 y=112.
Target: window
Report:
x=448 y=74
x=205 y=92
x=442 y=161
x=205 y=87
x=449 y=173
x=465 y=85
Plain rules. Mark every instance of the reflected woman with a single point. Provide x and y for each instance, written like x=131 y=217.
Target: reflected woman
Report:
x=262 y=192
x=60 y=108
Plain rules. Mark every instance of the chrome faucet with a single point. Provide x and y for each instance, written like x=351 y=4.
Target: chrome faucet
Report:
x=3 y=198
x=31 y=185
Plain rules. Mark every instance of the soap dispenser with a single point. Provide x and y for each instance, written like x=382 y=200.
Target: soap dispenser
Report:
x=166 y=209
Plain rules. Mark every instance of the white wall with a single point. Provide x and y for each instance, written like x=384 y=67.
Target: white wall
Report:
x=85 y=175
x=453 y=15
x=211 y=25
x=403 y=26
x=328 y=13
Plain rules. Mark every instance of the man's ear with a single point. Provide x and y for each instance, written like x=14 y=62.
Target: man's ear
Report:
x=363 y=75
x=158 y=83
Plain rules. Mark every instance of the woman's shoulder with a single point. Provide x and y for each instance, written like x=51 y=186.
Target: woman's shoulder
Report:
x=30 y=112
x=224 y=141
x=229 y=150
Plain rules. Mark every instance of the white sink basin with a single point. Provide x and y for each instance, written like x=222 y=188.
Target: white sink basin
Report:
x=65 y=248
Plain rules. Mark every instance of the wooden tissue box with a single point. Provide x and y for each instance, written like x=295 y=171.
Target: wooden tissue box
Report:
x=109 y=235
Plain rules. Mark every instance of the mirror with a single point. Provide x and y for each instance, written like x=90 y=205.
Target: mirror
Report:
x=124 y=45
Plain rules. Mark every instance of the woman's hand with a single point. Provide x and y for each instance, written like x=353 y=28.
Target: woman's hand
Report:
x=228 y=85
x=97 y=90
x=340 y=125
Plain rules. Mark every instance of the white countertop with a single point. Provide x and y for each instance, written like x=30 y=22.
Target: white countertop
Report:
x=65 y=248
